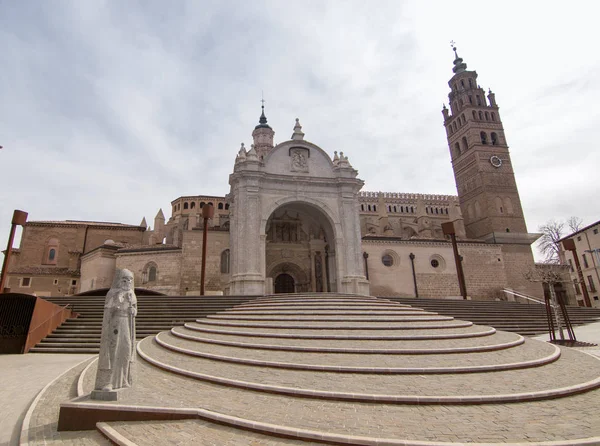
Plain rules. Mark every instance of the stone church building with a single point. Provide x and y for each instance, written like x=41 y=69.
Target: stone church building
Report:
x=296 y=219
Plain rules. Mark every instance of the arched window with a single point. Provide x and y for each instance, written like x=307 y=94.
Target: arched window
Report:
x=150 y=272
x=508 y=205
x=225 y=255
x=412 y=210
x=369 y=207
x=483 y=138
x=481 y=116
x=462 y=118
x=185 y=206
x=202 y=203
x=454 y=126
x=493 y=116
x=436 y=210
x=462 y=83
x=474 y=116
x=374 y=208
x=193 y=205
x=51 y=252
x=427 y=209
x=446 y=211
x=478 y=99
x=487 y=116
x=499 y=207
x=457 y=149
x=178 y=206
x=494 y=139
x=362 y=207
x=220 y=206
x=174 y=209
x=226 y=206
x=470 y=99
x=395 y=209
x=464 y=144
x=470 y=82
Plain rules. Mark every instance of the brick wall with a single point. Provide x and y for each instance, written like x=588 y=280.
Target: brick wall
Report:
x=217 y=242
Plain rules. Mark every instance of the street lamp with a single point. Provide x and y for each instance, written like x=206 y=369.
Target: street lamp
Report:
x=19 y=218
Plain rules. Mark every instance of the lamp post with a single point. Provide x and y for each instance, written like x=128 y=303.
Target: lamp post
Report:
x=208 y=211
x=448 y=229
x=366 y=256
x=19 y=218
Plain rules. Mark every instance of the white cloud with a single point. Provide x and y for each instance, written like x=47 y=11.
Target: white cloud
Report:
x=112 y=110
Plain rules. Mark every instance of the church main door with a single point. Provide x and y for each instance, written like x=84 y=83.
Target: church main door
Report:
x=284 y=283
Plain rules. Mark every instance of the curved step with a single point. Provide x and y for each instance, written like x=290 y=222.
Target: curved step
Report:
x=227 y=375
x=345 y=362
x=424 y=346
x=407 y=333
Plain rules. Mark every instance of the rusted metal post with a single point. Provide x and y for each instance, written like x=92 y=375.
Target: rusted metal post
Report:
x=19 y=218
x=569 y=245
x=448 y=229
x=207 y=212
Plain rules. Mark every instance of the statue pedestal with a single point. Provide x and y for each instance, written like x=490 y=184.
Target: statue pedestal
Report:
x=107 y=395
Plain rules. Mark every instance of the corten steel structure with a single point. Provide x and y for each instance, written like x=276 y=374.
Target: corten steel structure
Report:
x=569 y=245
x=19 y=218
x=448 y=229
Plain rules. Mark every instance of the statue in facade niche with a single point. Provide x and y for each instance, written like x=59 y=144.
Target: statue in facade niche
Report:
x=117 y=345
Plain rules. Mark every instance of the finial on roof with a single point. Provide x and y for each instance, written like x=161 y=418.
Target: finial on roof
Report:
x=298 y=135
x=143 y=224
x=459 y=65
x=262 y=121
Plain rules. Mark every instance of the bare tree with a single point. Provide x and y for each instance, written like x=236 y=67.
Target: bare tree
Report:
x=574 y=223
x=552 y=231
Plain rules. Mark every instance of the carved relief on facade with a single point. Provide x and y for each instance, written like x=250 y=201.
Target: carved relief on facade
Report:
x=299 y=159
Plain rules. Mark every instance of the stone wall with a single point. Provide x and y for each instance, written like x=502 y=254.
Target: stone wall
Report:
x=98 y=269
x=216 y=282
x=168 y=265
x=484 y=273
x=518 y=259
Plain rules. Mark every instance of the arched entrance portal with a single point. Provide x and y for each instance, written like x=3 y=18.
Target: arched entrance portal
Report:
x=297 y=246
x=284 y=283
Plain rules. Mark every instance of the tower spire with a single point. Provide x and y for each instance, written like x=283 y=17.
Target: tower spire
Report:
x=459 y=65
x=262 y=122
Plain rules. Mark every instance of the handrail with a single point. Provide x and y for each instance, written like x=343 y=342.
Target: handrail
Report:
x=525 y=296
x=60 y=310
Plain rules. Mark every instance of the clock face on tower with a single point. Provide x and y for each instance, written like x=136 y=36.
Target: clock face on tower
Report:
x=495 y=161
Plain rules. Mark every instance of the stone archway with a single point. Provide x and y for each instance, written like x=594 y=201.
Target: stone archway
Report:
x=284 y=283
x=297 y=238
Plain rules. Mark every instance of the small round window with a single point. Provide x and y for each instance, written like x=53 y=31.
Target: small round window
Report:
x=435 y=263
x=387 y=260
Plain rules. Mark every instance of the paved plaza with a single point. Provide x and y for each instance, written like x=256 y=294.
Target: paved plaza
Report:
x=327 y=368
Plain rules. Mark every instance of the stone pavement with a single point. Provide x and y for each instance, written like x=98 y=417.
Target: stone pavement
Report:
x=584 y=333
x=563 y=419
x=22 y=377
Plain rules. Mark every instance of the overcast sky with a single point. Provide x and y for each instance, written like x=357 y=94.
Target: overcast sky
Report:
x=110 y=110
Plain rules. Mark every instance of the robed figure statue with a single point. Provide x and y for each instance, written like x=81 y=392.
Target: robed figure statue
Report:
x=117 y=345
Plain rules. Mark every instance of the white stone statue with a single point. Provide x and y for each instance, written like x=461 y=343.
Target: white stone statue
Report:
x=117 y=345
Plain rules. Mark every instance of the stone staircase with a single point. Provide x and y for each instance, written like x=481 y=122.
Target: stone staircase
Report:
x=299 y=369
x=155 y=314
x=525 y=319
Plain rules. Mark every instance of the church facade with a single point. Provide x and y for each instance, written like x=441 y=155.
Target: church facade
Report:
x=296 y=219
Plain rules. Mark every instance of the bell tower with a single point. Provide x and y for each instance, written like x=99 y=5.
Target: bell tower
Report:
x=483 y=171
